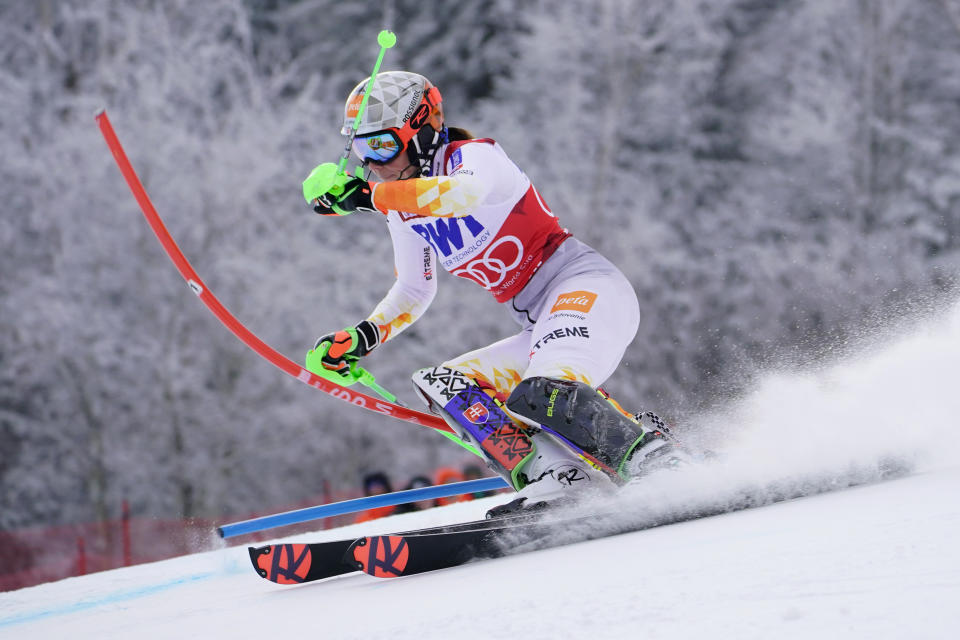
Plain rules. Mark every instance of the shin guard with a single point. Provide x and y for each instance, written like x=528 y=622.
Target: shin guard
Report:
x=478 y=419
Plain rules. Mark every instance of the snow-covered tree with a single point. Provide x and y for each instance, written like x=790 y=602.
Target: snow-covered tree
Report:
x=773 y=177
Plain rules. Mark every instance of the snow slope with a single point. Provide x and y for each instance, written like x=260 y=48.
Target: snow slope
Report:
x=875 y=561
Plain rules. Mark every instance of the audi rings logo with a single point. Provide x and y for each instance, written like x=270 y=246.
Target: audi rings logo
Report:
x=492 y=267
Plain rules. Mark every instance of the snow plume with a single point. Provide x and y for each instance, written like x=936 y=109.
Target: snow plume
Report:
x=885 y=413
x=898 y=399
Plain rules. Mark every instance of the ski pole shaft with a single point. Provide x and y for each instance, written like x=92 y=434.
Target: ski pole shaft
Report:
x=366 y=378
x=385 y=39
x=359 y=504
x=329 y=177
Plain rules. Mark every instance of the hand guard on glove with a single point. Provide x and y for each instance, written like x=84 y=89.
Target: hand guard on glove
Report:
x=357 y=196
x=342 y=348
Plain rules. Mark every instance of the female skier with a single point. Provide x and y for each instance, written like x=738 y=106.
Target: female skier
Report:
x=529 y=402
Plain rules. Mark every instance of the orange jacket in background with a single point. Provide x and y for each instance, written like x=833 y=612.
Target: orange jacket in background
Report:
x=373 y=514
x=448 y=475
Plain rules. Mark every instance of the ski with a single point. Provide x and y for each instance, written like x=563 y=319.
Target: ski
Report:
x=395 y=555
x=391 y=556
x=294 y=563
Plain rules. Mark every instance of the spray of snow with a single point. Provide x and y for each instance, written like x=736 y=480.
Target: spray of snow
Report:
x=896 y=400
x=879 y=415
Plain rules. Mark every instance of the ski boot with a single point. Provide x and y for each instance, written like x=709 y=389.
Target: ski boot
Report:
x=591 y=422
x=658 y=450
x=555 y=475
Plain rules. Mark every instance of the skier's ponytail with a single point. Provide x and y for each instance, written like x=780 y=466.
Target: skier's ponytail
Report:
x=456 y=133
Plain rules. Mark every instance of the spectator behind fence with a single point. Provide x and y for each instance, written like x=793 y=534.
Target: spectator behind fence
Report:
x=374 y=484
x=474 y=472
x=418 y=482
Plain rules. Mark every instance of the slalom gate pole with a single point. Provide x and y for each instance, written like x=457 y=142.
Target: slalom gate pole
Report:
x=256 y=525
x=245 y=335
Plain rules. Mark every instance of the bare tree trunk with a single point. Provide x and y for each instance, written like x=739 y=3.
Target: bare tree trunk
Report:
x=96 y=480
x=882 y=142
x=866 y=155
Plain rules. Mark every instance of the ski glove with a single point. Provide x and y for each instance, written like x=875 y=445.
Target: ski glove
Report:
x=357 y=196
x=344 y=347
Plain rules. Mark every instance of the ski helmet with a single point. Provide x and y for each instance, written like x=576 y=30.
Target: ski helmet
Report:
x=395 y=119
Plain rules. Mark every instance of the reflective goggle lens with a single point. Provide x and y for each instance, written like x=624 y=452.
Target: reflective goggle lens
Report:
x=377 y=147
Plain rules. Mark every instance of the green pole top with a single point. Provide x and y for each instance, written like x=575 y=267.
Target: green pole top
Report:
x=386 y=39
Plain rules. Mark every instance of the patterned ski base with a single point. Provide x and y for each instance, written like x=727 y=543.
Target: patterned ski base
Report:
x=393 y=556
x=381 y=556
x=296 y=563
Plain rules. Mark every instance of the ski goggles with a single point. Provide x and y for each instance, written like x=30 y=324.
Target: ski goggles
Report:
x=383 y=146
x=378 y=147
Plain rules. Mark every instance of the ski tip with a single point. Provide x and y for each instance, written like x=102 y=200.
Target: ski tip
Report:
x=380 y=556
x=255 y=553
x=282 y=563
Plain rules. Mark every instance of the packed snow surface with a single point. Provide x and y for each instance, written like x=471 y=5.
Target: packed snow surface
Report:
x=879 y=560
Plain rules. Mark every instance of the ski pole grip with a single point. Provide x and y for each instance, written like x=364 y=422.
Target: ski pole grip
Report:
x=324 y=178
x=314 y=364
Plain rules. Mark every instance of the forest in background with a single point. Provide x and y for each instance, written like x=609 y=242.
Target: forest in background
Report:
x=779 y=179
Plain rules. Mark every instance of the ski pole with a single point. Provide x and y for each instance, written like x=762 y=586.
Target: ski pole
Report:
x=329 y=177
x=366 y=378
x=386 y=39
x=359 y=504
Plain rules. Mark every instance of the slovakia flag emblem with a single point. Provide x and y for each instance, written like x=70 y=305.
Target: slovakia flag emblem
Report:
x=476 y=413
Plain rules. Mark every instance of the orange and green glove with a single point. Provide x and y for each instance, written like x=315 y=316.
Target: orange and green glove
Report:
x=356 y=195
x=340 y=349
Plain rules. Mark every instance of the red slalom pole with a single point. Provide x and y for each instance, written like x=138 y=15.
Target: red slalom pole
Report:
x=245 y=335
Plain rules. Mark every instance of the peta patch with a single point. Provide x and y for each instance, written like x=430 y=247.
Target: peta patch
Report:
x=456 y=161
x=353 y=107
x=581 y=301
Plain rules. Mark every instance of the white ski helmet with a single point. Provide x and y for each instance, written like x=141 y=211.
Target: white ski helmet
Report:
x=395 y=119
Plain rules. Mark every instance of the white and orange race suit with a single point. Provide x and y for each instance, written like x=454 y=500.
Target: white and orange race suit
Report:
x=480 y=218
